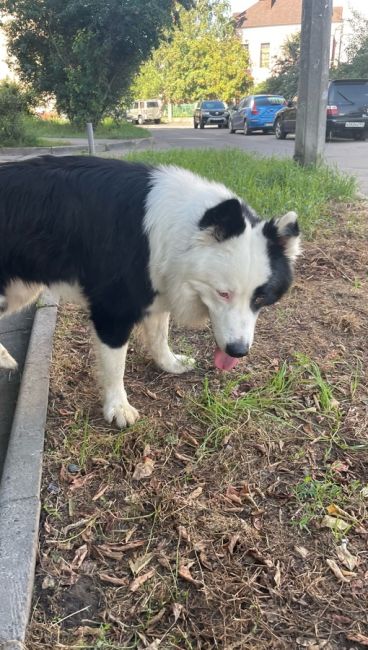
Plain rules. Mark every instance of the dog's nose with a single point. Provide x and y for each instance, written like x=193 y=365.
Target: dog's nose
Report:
x=237 y=349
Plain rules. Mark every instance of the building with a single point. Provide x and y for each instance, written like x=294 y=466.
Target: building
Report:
x=265 y=26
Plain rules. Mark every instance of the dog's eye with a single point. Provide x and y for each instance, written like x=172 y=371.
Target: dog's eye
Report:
x=226 y=295
x=258 y=301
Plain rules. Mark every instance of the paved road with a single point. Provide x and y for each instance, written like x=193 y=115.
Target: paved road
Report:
x=349 y=156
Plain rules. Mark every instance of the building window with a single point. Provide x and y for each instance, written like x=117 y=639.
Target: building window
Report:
x=246 y=47
x=265 y=55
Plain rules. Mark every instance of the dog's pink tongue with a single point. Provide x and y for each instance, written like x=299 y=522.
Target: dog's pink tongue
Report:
x=223 y=361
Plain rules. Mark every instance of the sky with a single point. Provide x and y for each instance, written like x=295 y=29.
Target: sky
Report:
x=359 y=5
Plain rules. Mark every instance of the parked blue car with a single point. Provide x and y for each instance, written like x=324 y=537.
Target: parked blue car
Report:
x=255 y=113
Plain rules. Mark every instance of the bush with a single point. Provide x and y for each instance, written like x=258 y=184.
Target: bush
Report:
x=14 y=104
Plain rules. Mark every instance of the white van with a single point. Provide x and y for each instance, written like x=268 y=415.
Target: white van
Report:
x=145 y=110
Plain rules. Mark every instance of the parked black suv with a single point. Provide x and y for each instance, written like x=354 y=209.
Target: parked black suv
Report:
x=210 y=111
x=347 y=111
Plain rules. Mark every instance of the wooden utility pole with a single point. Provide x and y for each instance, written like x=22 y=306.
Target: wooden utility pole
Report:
x=313 y=81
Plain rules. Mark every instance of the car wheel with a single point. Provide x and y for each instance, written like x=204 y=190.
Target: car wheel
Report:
x=231 y=128
x=140 y=119
x=246 y=130
x=158 y=121
x=195 y=124
x=219 y=126
x=279 y=131
x=360 y=136
x=201 y=124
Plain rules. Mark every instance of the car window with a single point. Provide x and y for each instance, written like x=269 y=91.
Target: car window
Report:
x=141 y=104
x=269 y=101
x=135 y=105
x=213 y=105
x=152 y=104
x=349 y=94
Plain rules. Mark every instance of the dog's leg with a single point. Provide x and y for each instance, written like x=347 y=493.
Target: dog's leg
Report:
x=155 y=331
x=6 y=360
x=112 y=366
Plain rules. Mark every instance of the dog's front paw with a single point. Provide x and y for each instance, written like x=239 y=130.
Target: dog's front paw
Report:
x=122 y=412
x=6 y=360
x=178 y=364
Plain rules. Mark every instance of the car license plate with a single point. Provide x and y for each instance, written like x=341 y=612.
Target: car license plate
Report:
x=354 y=125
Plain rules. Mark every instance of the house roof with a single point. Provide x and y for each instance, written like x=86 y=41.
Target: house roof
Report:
x=268 y=13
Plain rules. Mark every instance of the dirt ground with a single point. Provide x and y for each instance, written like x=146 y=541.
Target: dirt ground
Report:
x=234 y=515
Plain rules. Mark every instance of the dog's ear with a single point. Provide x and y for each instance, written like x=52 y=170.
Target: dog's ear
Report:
x=285 y=232
x=289 y=234
x=225 y=220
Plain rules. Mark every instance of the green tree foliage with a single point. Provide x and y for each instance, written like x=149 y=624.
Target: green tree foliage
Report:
x=356 y=65
x=84 y=52
x=285 y=73
x=14 y=104
x=204 y=58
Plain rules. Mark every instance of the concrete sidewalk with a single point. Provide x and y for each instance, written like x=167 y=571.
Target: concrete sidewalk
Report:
x=74 y=146
x=14 y=334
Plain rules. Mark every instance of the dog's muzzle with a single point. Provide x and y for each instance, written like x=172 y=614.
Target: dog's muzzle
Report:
x=237 y=349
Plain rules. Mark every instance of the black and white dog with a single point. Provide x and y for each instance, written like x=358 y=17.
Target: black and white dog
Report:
x=135 y=243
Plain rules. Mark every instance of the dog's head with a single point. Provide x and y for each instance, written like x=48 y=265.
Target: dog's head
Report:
x=240 y=264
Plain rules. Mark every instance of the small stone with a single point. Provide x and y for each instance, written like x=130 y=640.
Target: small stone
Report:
x=53 y=488
x=73 y=468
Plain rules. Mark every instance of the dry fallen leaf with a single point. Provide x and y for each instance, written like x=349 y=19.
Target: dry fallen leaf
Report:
x=233 y=494
x=184 y=573
x=144 y=469
x=183 y=534
x=334 y=523
x=79 y=557
x=233 y=542
x=177 y=611
x=114 y=580
x=277 y=576
x=345 y=557
x=139 y=563
x=101 y=491
x=334 y=510
x=195 y=494
x=303 y=552
x=337 y=571
x=356 y=636
x=137 y=582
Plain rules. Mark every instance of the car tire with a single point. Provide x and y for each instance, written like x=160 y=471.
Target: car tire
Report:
x=140 y=119
x=158 y=121
x=219 y=126
x=201 y=124
x=195 y=124
x=360 y=136
x=231 y=128
x=279 y=131
x=246 y=130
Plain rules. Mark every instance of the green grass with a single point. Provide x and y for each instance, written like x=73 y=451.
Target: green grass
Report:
x=289 y=392
x=58 y=128
x=272 y=186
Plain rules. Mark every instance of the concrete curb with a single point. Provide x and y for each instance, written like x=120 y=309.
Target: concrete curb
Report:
x=21 y=481
x=73 y=148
